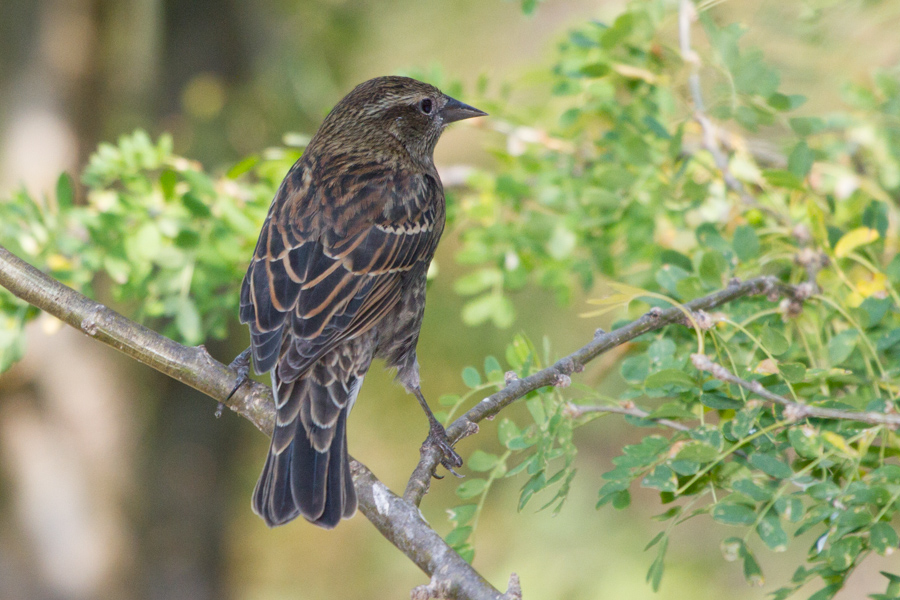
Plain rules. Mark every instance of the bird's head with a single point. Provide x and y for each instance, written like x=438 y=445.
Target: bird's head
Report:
x=410 y=111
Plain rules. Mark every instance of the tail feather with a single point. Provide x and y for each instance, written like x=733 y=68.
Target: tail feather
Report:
x=299 y=480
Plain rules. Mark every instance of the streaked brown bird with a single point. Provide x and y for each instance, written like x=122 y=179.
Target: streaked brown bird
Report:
x=338 y=278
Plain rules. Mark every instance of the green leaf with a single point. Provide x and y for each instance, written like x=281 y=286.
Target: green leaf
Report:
x=876 y=217
x=492 y=365
x=195 y=205
x=883 y=538
x=669 y=377
x=805 y=126
x=458 y=535
x=698 y=452
x=827 y=592
x=769 y=464
x=771 y=532
x=709 y=435
x=743 y=421
x=482 y=461
x=790 y=508
x=746 y=243
x=801 y=159
x=782 y=179
x=720 y=402
x=843 y=553
x=671 y=410
x=784 y=103
x=598 y=69
x=462 y=514
x=806 y=442
x=243 y=166
x=635 y=369
x=507 y=431
x=478 y=281
x=712 y=269
x=889 y=474
x=449 y=400
x=774 y=341
x=658 y=567
x=668 y=276
x=888 y=340
x=621 y=500
x=471 y=377
x=187 y=321
x=536 y=408
x=733 y=514
x=841 y=346
x=793 y=372
x=489 y=307
x=537 y=482
x=752 y=572
x=750 y=489
x=661 y=478
x=65 y=195
x=471 y=488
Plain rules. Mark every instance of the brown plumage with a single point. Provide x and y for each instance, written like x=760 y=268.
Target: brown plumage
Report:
x=338 y=278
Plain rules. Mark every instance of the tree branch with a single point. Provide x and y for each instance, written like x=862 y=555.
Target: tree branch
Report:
x=626 y=408
x=792 y=410
x=398 y=521
x=559 y=373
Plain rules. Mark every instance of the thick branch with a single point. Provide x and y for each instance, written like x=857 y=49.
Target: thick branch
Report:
x=559 y=373
x=398 y=521
x=792 y=410
x=192 y=366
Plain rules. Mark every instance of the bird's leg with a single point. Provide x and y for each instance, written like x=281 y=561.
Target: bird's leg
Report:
x=437 y=436
x=241 y=364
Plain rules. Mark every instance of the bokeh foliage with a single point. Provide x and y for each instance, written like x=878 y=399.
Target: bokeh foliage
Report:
x=607 y=178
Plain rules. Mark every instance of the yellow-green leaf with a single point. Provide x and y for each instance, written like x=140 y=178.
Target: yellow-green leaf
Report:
x=853 y=240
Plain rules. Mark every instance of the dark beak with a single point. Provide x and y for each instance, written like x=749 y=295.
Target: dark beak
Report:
x=455 y=110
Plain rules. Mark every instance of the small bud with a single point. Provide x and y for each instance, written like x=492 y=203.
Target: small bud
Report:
x=704 y=320
x=795 y=412
x=509 y=377
x=561 y=380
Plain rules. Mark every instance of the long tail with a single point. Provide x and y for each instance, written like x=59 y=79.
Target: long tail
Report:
x=299 y=479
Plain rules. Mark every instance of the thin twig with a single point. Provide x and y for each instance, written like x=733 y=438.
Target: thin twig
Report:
x=579 y=410
x=397 y=520
x=560 y=372
x=792 y=410
x=687 y=14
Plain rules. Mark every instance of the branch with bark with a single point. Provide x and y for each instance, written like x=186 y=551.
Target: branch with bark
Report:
x=793 y=411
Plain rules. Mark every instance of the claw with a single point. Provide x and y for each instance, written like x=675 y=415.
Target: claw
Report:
x=241 y=364
x=437 y=437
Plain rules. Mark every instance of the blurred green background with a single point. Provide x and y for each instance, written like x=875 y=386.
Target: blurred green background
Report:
x=116 y=482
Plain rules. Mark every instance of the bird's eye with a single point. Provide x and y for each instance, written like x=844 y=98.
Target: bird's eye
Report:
x=425 y=106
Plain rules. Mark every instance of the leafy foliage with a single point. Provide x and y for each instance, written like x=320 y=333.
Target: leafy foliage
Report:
x=609 y=177
x=619 y=184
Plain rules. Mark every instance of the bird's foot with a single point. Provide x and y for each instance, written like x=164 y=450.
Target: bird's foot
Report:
x=437 y=438
x=241 y=364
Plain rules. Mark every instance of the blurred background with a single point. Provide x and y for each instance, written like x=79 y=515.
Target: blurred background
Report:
x=116 y=482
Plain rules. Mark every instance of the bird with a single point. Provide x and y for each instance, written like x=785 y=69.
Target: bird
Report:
x=338 y=279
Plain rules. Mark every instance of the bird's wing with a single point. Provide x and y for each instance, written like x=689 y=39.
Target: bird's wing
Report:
x=330 y=259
